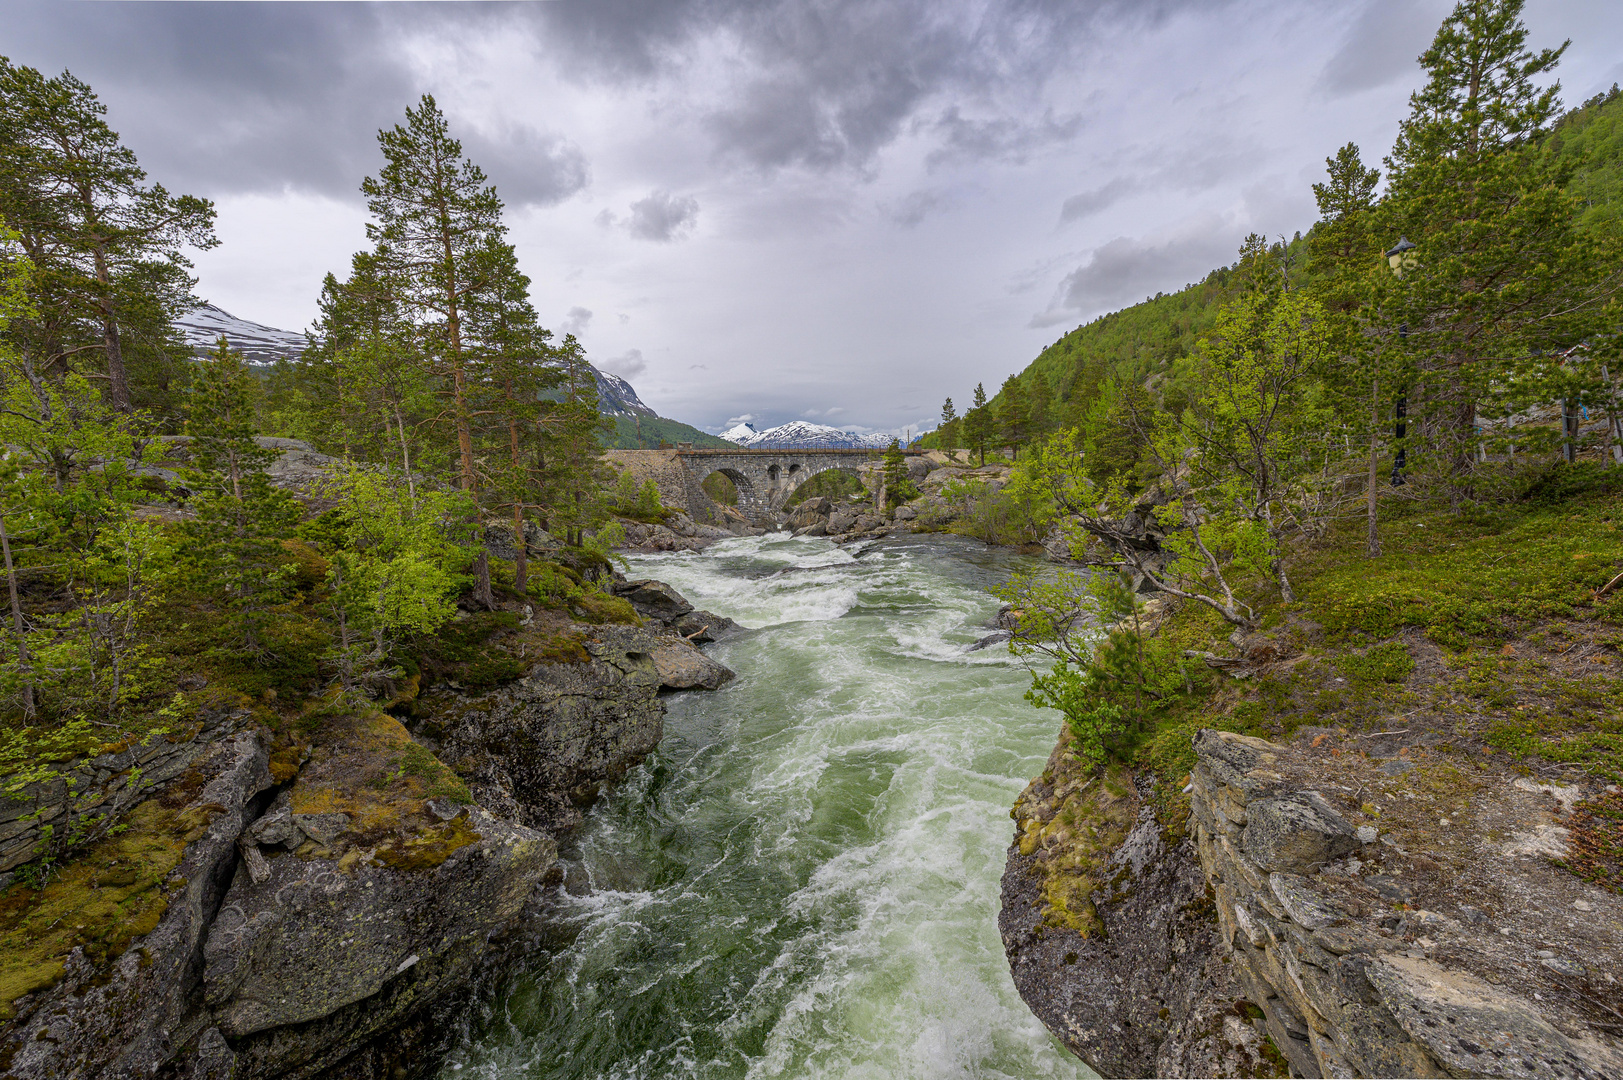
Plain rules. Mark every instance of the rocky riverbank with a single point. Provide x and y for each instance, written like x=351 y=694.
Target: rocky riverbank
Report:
x=1319 y=912
x=319 y=892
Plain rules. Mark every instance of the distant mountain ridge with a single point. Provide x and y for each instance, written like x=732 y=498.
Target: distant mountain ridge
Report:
x=204 y=325
x=635 y=423
x=802 y=434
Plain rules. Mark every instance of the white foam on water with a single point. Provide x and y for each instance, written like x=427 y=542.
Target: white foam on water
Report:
x=815 y=849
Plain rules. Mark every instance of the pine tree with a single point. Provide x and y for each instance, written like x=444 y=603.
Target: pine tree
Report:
x=1040 y=405
x=239 y=519
x=1014 y=416
x=436 y=226
x=1501 y=278
x=1349 y=277
x=947 y=433
x=898 y=488
x=572 y=469
x=106 y=247
x=514 y=379
x=978 y=423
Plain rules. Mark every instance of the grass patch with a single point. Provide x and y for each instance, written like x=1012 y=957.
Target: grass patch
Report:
x=1388 y=662
x=1465 y=580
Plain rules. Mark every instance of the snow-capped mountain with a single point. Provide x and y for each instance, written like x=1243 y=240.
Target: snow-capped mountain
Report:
x=800 y=435
x=615 y=397
x=261 y=344
x=204 y=325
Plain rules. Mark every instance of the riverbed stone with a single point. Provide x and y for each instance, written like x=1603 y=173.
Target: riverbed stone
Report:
x=654 y=599
x=683 y=667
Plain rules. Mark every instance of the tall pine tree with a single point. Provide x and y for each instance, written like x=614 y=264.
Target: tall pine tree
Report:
x=437 y=225
x=107 y=248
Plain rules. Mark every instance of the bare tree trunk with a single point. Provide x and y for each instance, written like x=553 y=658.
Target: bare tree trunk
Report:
x=17 y=625
x=405 y=458
x=1373 y=544
x=118 y=381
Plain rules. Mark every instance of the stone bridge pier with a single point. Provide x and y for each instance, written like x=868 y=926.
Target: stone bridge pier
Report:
x=764 y=478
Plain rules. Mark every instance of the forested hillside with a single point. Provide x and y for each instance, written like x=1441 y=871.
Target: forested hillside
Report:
x=1139 y=345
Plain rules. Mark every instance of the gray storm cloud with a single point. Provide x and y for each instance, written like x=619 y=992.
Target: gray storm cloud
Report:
x=1125 y=271
x=879 y=179
x=663 y=217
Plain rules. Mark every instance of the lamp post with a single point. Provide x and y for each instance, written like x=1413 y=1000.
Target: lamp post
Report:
x=1396 y=256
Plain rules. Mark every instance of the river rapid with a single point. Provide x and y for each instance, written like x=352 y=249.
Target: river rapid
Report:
x=802 y=881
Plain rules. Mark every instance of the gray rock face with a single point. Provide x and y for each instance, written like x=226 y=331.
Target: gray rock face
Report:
x=654 y=599
x=539 y=748
x=131 y=1020
x=904 y=513
x=333 y=928
x=1348 y=986
x=1473 y=1028
x=701 y=627
x=840 y=521
x=1138 y=994
x=1299 y=832
x=317 y=935
x=683 y=667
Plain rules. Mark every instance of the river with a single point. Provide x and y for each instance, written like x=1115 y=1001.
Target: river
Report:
x=802 y=881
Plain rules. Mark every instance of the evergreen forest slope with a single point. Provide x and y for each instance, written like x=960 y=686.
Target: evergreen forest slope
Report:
x=1140 y=345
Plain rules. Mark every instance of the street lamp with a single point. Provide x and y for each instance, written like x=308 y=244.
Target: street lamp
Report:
x=1397 y=256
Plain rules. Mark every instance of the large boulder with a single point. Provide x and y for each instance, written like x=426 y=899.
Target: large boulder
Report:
x=391 y=888
x=174 y=859
x=683 y=667
x=653 y=599
x=700 y=627
x=539 y=748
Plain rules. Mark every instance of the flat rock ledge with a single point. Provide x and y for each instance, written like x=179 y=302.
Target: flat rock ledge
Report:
x=1299 y=929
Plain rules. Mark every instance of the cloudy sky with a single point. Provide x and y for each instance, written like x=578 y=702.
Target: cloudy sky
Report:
x=838 y=210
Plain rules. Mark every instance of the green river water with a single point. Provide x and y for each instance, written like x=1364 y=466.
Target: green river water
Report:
x=802 y=881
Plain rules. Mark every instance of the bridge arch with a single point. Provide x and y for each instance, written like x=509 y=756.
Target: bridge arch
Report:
x=799 y=473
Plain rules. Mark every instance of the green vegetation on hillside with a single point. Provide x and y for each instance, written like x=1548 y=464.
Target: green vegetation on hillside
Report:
x=1140 y=346
x=654 y=432
x=1360 y=479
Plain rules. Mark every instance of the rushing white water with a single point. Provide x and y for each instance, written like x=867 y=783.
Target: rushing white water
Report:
x=803 y=880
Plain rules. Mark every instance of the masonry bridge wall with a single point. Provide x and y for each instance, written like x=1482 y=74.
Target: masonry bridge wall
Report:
x=764 y=478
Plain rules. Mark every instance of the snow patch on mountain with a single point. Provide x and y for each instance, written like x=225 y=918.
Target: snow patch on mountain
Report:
x=615 y=397
x=205 y=324
x=802 y=435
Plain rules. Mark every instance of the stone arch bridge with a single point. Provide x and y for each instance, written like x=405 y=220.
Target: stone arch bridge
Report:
x=764 y=478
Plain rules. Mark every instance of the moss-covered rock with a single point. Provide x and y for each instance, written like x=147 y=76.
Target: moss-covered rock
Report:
x=109 y=948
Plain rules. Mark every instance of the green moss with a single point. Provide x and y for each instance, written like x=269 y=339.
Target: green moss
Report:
x=102 y=901
x=438 y=780
x=600 y=608
x=1464 y=580
x=1072 y=841
x=427 y=848
x=564 y=649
